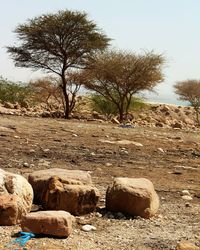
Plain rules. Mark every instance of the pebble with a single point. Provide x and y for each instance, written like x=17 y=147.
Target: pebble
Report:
x=46 y=150
x=108 y=164
x=187 y=197
x=161 y=150
x=98 y=215
x=74 y=135
x=26 y=165
x=88 y=228
x=185 y=192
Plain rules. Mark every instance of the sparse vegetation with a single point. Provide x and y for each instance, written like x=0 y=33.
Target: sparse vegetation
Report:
x=189 y=91
x=106 y=107
x=117 y=76
x=56 y=43
x=14 y=92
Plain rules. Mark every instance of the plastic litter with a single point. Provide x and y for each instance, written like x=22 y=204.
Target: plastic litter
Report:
x=24 y=237
x=21 y=241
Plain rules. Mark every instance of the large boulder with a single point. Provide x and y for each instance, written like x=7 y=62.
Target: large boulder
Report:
x=69 y=190
x=56 y=223
x=16 y=197
x=132 y=196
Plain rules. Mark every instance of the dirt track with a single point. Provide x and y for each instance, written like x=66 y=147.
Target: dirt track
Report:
x=28 y=144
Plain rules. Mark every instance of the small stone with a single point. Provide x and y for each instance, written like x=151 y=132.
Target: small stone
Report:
x=115 y=121
x=92 y=154
x=88 y=228
x=186 y=245
x=46 y=150
x=26 y=165
x=108 y=164
x=185 y=192
x=98 y=215
x=187 y=197
x=74 y=135
x=161 y=150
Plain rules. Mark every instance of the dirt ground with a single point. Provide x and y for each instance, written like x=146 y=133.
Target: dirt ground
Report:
x=170 y=158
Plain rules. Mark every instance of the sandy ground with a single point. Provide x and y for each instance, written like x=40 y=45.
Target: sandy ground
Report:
x=169 y=158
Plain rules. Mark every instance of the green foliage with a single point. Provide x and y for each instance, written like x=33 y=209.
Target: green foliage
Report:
x=104 y=106
x=13 y=92
x=138 y=104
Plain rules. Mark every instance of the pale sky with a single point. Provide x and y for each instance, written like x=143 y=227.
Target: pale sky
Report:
x=170 y=27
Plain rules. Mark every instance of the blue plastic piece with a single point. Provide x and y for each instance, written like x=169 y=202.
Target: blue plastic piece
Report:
x=24 y=237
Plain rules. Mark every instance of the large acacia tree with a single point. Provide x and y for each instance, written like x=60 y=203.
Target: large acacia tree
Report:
x=56 y=43
x=189 y=90
x=118 y=75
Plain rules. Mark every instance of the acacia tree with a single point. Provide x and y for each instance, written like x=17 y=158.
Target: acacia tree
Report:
x=46 y=90
x=56 y=43
x=118 y=75
x=189 y=91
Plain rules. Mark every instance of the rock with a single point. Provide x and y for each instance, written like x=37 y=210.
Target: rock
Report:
x=9 y=105
x=16 y=196
x=46 y=114
x=26 y=165
x=56 y=223
x=69 y=190
x=132 y=196
x=122 y=142
x=108 y=164
x=159 y=124
x=161 y=150
x=9 y=210
x=177 y=125
x=39 y=179
x=115 y=121
x=185 y=192
x=186 y=245
x=88 y=228
x=187 y=197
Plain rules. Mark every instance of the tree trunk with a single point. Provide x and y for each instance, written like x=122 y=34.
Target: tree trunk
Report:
x=121 y=113
x=66 y=98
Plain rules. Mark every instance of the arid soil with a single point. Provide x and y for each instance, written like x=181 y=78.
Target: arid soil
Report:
x=169 y=157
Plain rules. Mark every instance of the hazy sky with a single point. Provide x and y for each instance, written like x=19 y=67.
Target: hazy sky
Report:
x=170 y=27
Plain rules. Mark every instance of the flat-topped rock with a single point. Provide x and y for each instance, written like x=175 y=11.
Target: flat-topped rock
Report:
x=39 y=179
x=56 y=223
x=68 y=190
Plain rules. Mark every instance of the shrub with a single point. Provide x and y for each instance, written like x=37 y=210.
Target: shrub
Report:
x=13 y=92
x=104 y=106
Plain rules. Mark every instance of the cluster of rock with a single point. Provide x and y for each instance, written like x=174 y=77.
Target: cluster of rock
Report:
x=67 y=193
x=162 y=115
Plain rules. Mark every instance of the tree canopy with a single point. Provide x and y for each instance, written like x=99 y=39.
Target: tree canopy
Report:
x=118 y=75
x=57 y=42
x=189 y=90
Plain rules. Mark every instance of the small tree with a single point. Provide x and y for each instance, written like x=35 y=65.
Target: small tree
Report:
x=117 y=76
x=189 y=91
x=46 y=90
x=56 y=43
